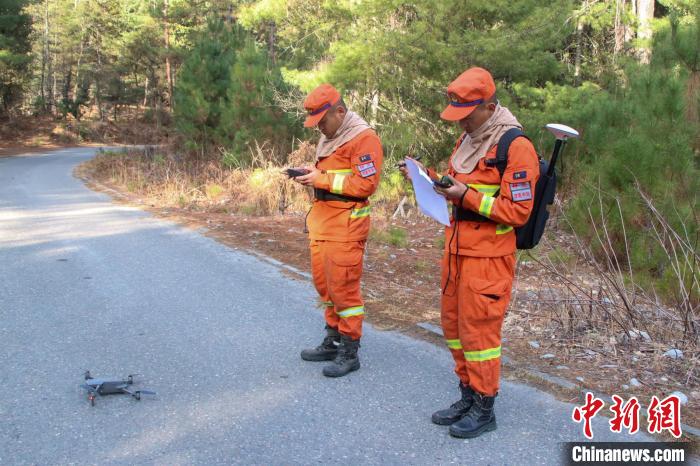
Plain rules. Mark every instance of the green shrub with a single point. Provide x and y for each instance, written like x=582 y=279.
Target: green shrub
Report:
x=394 y=236
x=638 y=140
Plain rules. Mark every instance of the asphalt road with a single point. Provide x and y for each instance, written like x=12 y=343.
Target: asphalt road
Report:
x=89 y=284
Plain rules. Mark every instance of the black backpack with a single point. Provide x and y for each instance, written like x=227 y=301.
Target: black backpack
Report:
x=528 y=235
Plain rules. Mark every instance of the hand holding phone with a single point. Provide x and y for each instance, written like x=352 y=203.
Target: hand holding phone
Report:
x=443 y=182
x=294 y=172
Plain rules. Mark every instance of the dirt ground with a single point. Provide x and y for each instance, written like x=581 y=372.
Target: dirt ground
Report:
x=34 y=134
x=401 y=290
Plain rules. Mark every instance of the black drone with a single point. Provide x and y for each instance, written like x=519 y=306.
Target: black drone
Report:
x=111 y=387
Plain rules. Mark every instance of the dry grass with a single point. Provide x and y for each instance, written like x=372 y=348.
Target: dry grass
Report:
x=166 y=178
x=594 y=316
x=172 y=180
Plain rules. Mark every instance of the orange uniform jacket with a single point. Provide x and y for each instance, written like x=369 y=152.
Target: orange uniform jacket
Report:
x=510 y=208
x=352 y=170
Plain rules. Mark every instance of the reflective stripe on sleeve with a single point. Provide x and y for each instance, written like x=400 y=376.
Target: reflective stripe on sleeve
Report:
x=486 y=205
x=337 y=186
x=488 y=189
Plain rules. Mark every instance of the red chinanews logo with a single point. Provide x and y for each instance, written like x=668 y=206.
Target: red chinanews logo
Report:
x=661 y=415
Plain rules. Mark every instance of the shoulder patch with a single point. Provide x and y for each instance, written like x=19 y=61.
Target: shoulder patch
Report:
x=368 y=172
x=366 y=169
x=520 y=191
x=519 y=175
x=365 y=158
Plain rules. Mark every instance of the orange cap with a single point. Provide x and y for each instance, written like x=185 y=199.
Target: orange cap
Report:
x=471 y=88
x=318 y=102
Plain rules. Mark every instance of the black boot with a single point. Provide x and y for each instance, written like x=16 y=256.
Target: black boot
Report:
x=346 y=361
x=480 y=418
x=454 y=413
x=327 y=350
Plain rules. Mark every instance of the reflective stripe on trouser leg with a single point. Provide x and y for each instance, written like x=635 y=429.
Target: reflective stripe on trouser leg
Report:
x=481 y=317
x=351 y=312
x=318 y=272
x=448 y=319
x=343 y=268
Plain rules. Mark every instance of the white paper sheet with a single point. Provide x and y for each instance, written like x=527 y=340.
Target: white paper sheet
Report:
x=430 y=203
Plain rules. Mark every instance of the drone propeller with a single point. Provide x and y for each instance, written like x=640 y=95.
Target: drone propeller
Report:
x=137 y=394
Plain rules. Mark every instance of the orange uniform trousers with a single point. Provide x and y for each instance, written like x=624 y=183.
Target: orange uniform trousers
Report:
x=337 y=269
x=474 y=301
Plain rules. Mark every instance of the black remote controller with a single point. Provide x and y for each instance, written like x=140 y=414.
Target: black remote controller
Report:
x=294 y=172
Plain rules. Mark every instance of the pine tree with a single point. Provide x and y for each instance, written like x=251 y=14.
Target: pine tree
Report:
x=15 y=27
x=200 y=91
x=250 y=114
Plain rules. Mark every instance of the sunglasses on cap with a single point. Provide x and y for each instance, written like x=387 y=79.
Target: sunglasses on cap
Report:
x=456 y=101
x=322 y=108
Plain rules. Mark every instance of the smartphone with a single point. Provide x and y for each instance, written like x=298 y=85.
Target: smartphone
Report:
x=443 y=182
x=294 y=172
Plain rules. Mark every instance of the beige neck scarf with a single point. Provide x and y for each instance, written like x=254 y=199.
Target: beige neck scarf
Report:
x=352 y=125
x=475 y=146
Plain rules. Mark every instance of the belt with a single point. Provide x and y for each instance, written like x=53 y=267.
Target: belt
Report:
x=459 y=213
x=323 y=195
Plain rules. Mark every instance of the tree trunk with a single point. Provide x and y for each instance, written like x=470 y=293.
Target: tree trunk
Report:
x=54 y=87
x=645 y=13
x=45 y=57
x=273 y=28
x=374 y=109
x=54 y=81
x=579 y=45
x=145 y=92
x=98 y=88
x=76 y=86
x=619 y=27
x=67 y=84
x=166 y=39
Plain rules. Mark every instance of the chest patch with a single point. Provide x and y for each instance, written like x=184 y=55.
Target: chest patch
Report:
x=520 y=191
x=365 y=158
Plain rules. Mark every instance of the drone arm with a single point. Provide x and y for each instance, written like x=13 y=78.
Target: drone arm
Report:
x=90 y=388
